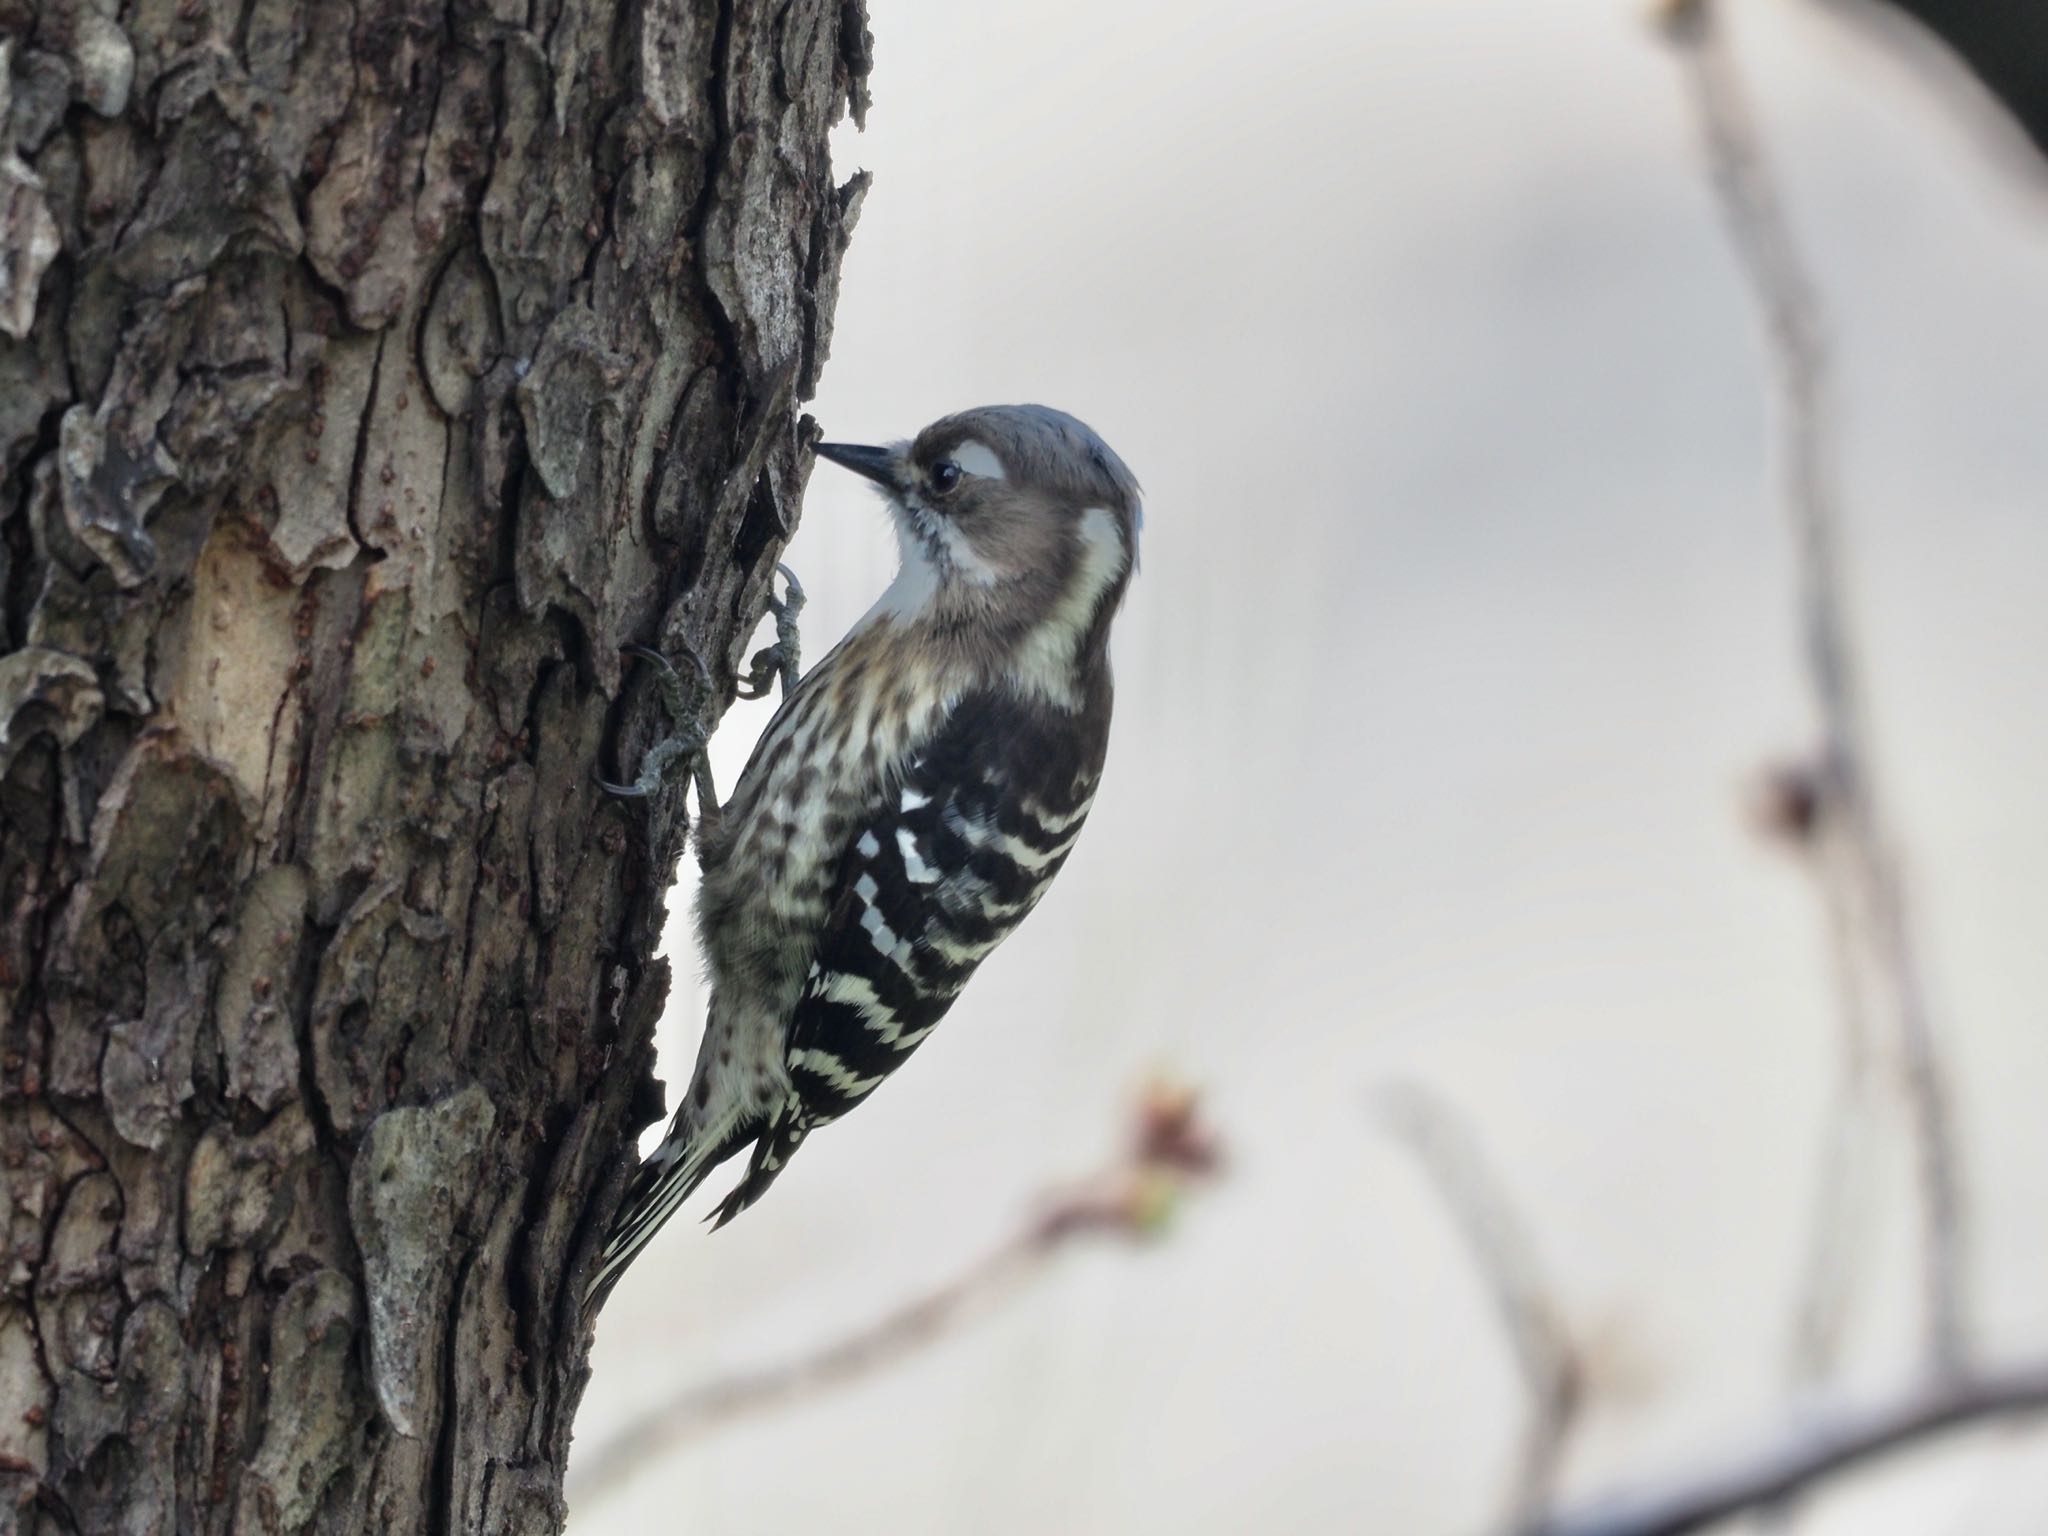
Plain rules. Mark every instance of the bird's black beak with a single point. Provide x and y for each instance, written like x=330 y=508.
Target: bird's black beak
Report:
x=877 y=464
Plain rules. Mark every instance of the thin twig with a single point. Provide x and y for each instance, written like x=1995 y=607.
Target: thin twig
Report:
x=1818 y=1447
x=1836 y=1235
x=1506 y=1259
x=1863 y=885
x=1171 y=1148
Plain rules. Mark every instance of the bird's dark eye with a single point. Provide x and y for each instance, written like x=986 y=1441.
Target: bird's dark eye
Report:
x=945 y=475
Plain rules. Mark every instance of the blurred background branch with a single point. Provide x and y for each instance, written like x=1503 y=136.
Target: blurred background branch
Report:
x=1169 y=1150
x=1827 y=812
x=1839 y=818
x=1530 y=1314
x=1807 y=1452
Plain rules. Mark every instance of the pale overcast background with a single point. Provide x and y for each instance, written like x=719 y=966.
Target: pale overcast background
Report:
x=1465 y=616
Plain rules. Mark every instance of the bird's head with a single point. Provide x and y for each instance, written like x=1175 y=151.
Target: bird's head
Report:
x=1012 y=519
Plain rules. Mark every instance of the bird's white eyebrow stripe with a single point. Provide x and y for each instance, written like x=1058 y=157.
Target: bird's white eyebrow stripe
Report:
x=978 y=459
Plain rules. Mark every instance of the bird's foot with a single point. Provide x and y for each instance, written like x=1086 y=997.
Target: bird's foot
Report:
x=784 y=658
x=681 y=752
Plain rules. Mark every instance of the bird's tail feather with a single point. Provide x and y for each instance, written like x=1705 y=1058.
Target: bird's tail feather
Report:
x=659 y=1185
x=778 y=1143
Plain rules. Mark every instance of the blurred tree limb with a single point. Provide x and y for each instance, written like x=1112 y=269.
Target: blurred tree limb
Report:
x=1170 y=1148
x=1840 y=819
x=1807 y=1452
x=1827 y=811
x=1813 y=1447
x=1530 y=1314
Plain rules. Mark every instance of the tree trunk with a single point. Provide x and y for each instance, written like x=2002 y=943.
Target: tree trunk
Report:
x=369 y=374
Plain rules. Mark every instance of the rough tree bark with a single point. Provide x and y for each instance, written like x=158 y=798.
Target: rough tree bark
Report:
x=369 y=373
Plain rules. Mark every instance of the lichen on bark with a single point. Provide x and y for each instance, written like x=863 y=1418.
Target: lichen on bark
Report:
x=369 y=374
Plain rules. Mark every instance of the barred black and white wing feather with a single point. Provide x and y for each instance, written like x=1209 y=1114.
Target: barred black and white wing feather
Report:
x=947 y=863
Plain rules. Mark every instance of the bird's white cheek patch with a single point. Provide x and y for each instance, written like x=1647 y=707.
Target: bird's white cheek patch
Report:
x=1044 y=662
x=1105 y=549
x=978 y=459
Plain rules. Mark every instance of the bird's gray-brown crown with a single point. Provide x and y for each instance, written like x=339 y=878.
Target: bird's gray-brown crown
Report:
x=1031 y=446
x=1041 y=448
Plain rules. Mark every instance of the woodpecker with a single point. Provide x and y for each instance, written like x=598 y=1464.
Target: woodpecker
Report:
x=910 y=801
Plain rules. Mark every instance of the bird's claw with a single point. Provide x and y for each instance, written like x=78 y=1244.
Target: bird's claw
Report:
x=670 y=758
x=649 y=653
x=783 y=659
